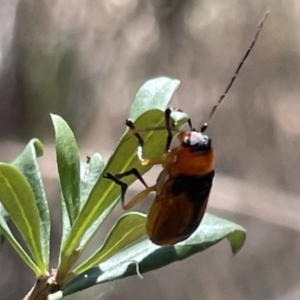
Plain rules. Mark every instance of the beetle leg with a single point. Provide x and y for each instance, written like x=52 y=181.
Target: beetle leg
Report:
x=139 y=197
x=144 y=161
x=161 y=160
x=134 y=172
x=168 y=112
x=130 y=124
x=140 y=143
x=122 y=184
x=168 y=126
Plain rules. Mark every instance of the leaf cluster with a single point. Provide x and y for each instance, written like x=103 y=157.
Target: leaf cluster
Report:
x=86 y=201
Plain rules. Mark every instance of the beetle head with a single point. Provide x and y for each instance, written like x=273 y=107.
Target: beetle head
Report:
x=197 y=141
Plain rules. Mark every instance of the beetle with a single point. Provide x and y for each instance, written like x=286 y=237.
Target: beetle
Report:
x=183 y=186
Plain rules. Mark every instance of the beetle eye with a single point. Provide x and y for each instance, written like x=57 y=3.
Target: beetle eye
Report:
x=197 y=142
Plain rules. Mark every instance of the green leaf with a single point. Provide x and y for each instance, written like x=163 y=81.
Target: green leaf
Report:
x=66 y=224
x=127 y=230
x=95 y=168
x=18 y=199
x=68 y=166
x=26 y=163
x=105 y=194
x=145 y=256
x=5 y=216
x=5 y=229
x=154 y=94
x=90 y=173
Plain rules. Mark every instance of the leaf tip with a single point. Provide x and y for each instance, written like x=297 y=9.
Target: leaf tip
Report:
x=237 y=240
x=39 y=147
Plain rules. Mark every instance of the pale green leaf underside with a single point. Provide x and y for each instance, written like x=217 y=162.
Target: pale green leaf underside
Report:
x=68 y=166
x=27 y=164
x=149 y=256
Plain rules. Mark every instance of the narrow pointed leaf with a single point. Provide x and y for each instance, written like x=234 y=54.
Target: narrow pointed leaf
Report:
x=90 y=173
x=128 y=229
x=105 y=194
x=145 y=256
x=68 y=166
x=15 y=244
x=27 y=164
x=18 y=199
x=95 y=168
x=66 y=223
x=5 y=216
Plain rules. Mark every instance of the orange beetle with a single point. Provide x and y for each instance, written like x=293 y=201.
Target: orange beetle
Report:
x=183 y=186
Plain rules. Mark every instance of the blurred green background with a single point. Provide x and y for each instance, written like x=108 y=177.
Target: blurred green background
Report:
x=85 y=60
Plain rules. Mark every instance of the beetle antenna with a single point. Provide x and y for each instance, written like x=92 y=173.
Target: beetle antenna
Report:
x=205 y=125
